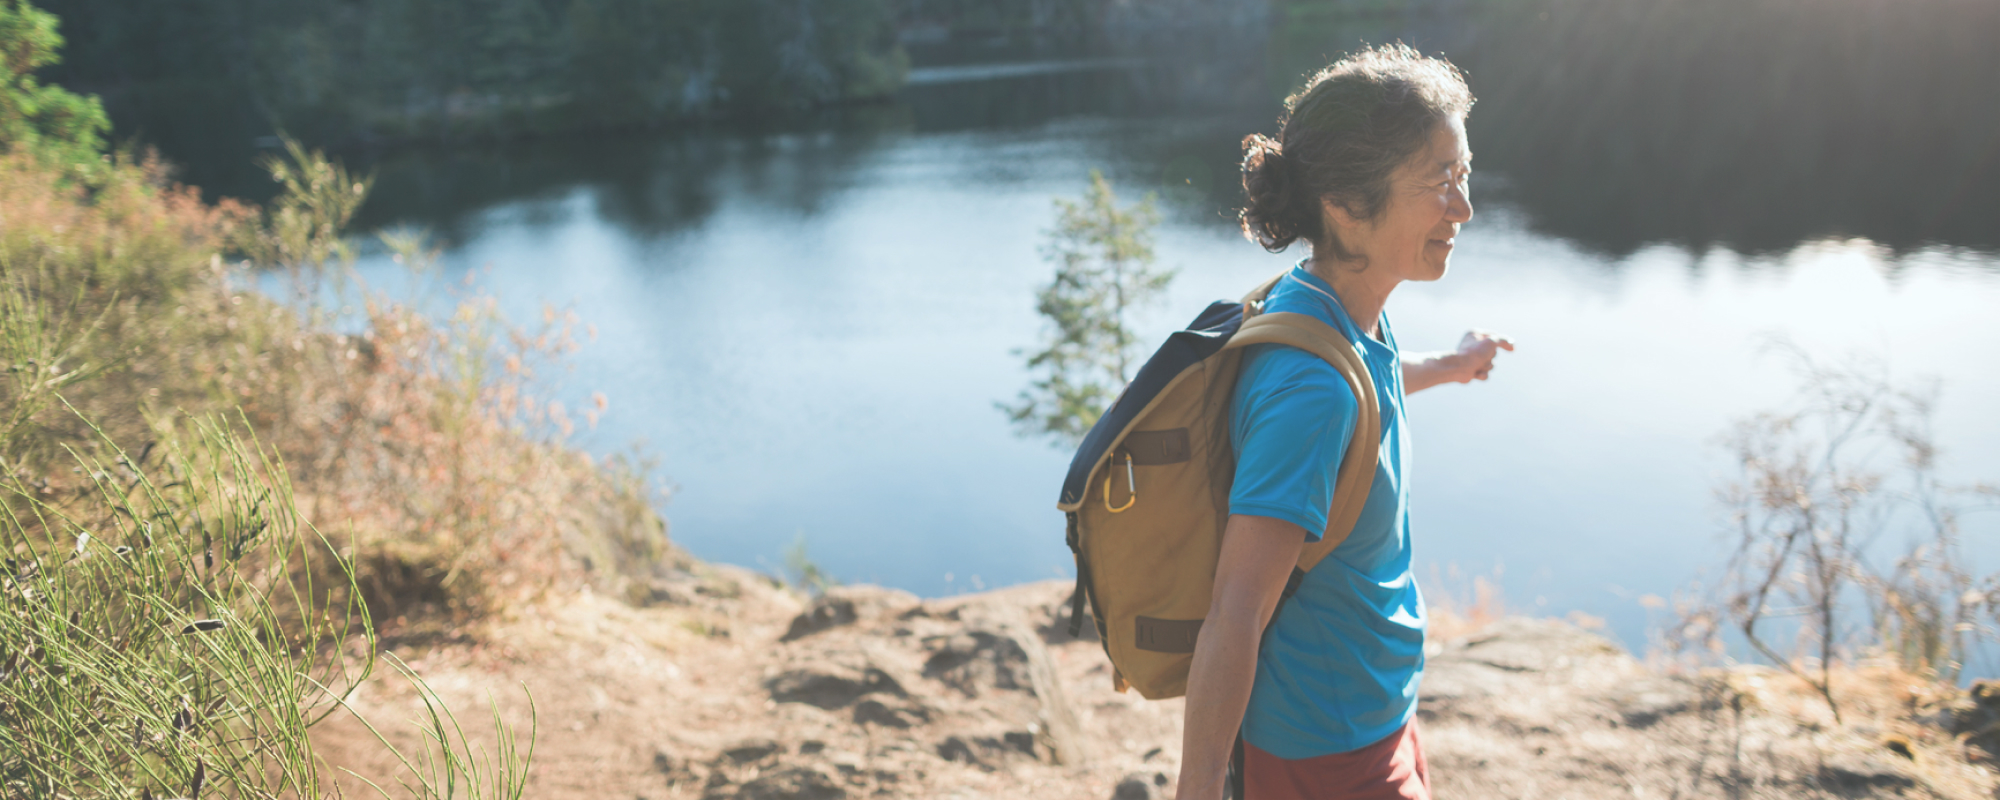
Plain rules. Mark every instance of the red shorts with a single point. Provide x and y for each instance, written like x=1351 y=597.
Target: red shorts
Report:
x=1391 y=769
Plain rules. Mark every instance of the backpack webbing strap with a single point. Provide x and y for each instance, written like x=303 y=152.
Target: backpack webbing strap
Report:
x=1236 y=768
x=1076 y=597
x=1082 y=591
x=1291 y=588
x=1236 y=761
x=1357 y=469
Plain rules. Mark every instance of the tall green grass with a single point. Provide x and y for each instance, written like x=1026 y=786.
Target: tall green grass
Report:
x=173 y=622
x=161 y=633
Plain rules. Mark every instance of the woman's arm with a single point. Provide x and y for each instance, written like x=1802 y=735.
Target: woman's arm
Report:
x=1473 y=361
x=1258 y=554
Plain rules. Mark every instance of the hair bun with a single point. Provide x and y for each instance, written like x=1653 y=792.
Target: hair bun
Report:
x=1271 y=218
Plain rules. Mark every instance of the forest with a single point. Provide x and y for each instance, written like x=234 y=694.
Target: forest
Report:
x=361 y=71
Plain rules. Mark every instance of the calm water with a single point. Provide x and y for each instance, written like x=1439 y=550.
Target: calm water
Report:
x=809 y=328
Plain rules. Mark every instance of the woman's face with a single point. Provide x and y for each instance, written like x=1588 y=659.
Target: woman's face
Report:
x=1412 y=239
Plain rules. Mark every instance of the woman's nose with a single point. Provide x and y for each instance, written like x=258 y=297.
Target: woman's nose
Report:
x=1459 y=207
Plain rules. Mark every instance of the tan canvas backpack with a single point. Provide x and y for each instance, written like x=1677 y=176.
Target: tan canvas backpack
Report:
x=1148 y=493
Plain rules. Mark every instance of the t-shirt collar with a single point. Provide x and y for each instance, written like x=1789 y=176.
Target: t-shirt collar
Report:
x=1323 y=292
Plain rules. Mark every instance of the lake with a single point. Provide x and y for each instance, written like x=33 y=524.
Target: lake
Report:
x=809 y=324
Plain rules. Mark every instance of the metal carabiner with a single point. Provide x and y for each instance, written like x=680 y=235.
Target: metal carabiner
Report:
x=1131 y=485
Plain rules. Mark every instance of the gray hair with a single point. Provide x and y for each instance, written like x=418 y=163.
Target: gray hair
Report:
x=1341 y=137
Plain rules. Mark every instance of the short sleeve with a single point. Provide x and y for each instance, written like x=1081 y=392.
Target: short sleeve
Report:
x=1290 y=421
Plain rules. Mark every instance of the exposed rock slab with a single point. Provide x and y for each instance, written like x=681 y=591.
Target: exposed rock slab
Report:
x=725 y=685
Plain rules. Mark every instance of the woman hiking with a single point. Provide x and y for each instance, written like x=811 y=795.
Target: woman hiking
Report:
x=1369 y=170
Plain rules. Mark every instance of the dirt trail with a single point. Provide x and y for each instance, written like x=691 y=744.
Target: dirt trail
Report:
x=728 y=686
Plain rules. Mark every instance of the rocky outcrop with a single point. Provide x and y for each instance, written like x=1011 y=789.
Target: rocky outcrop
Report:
x=1540 y=708
x=729 y=686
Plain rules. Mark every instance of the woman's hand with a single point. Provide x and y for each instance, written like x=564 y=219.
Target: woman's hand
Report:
x=1476 y=352
x=1472 y=362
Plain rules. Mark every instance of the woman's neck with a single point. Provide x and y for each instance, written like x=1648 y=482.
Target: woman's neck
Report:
x=1362 y=291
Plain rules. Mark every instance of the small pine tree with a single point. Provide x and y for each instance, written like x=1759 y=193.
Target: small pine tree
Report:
x=1104 y=267
x=46 y=120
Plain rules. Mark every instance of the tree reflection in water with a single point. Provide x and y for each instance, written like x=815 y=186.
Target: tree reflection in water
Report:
x=1751 y=125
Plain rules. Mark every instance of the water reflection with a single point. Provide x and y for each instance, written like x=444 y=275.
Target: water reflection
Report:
x=1746 y=125
x=810 y=323
x=649 y=186
x=1697 y=123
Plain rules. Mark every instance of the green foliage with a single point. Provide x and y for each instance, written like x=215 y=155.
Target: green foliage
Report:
x=49 y=121
x=405 y=68
x=169 y=623
x=122 y=274
x=153 y=640
x=1104 y=269
x=163 y=633
x=803 y=572
x=635 y=61
x=302 y=229
x=780 y=53
x=39 y=362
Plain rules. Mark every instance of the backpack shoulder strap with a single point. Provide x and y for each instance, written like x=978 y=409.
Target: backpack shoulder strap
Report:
x=1253 y=303
x=1357 y=467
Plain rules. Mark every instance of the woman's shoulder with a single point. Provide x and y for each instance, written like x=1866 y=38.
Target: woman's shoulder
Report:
x=1276 y=371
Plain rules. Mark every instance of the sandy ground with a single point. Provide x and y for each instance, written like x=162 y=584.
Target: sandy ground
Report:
x=725 y=685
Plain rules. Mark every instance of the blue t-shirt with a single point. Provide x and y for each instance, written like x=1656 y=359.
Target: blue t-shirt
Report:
x=1340 y=667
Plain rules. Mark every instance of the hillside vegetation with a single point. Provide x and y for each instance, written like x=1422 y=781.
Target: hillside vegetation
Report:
x=211 y=500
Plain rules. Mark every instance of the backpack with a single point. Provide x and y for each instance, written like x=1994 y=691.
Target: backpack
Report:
x=1147 y=495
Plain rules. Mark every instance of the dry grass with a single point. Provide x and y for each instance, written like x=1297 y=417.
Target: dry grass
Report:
x=1460 y=605
x=420 y=444
x=127 y=279
x=426 y=442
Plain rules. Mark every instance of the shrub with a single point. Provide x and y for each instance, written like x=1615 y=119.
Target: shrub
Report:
x=1104 y=267
x=158 y=635
x=1813 y=506
x=45 y=122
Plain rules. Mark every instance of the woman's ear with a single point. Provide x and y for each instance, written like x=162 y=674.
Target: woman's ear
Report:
x=1336 y=216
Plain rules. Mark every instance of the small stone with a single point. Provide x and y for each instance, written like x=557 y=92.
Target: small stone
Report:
x=826 y=612
x=1859 y=778
x=751 y=750
x=831 y=687
x=957 y=749
x=664 y=593
x=1136 y=786
x=976 y=662
x=878 y=713
x=797 y=783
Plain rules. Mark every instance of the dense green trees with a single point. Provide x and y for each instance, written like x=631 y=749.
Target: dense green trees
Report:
x=365 y=69
x=46 y=120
